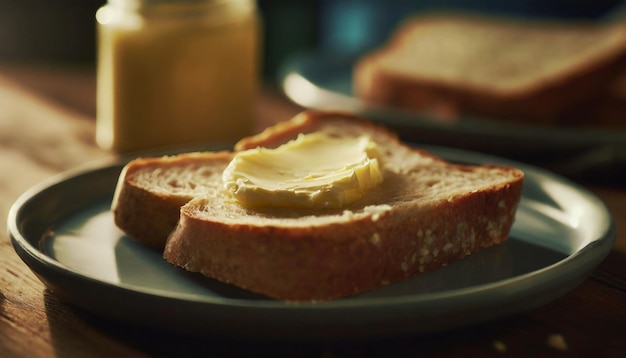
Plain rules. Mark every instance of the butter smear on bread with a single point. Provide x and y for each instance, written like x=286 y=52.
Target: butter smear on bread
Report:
x=312 y=171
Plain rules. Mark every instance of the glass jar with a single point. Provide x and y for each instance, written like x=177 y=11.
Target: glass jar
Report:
x=174 y=72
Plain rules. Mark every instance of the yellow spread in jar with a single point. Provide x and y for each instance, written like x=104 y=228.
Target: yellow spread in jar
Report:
x=176 y=72
x=312 y=171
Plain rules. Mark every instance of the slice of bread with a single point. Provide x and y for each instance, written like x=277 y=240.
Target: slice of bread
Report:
x=427 y=213
x=150 y=191
x=451 y=64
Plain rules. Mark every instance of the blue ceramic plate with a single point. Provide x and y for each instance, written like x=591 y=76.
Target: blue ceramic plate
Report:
x=63 y=230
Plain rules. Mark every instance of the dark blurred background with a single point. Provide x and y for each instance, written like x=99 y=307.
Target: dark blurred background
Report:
x=63 y=31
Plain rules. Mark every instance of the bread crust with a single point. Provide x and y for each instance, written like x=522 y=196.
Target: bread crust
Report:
x=145 y=211
x=324 y=262
x=310 y=121
x=394 y=233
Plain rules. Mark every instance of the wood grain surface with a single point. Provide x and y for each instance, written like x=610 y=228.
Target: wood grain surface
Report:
x=47 y=126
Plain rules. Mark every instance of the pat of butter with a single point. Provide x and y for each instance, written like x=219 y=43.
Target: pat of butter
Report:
x=312 y=171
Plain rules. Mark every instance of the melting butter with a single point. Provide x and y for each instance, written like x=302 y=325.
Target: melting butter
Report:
x=312 y=171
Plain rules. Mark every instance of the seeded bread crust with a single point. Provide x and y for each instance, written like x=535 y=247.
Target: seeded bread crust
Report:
x=461 y=67
x=426 y=214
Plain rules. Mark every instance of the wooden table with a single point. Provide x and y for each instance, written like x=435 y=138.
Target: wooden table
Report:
x=47 y=126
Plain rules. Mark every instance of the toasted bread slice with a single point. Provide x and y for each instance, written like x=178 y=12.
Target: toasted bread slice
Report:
x=451 y=64
x=426 y=214
x=150 y=191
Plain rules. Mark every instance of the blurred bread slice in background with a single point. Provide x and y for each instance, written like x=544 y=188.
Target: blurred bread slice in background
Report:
x=536 y=71
x=605 y=110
